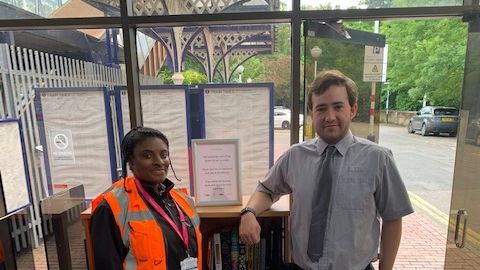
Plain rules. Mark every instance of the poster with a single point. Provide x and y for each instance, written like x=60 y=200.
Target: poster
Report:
x=76 y=133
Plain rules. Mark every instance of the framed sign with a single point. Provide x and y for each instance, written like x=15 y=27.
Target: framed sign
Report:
x=216 y=172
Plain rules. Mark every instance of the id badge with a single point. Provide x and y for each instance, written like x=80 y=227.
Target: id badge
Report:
x=190 y=263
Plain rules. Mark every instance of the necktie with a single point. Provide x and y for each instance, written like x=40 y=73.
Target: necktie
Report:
x=320 y=205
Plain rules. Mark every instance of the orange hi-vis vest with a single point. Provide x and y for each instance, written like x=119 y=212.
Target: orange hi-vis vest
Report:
x=140 y=232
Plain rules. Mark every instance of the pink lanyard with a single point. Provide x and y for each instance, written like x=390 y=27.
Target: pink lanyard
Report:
x=184 y=234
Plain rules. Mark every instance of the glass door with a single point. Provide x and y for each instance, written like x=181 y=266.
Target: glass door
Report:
x=359 y=55
x=463 y=242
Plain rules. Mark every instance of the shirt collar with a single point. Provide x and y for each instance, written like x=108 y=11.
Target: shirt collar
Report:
x=341 y=146
x=160 y=189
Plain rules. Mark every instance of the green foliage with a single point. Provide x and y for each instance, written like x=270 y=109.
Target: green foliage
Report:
x=408 y=3
x=425 y=58
x=190 y=77
x=194 y=77
x=166 y=76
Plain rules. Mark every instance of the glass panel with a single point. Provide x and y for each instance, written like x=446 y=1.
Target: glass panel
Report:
x=363 y=4
x=64 y=234
x=16 y=242
x=406 y=87
x=175 y=7
x=248 y=64
x=47 y=80
x=463 y=247
x=326 y=49
x=32 y=9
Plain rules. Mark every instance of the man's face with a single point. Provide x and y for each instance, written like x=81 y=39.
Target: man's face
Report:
x=332 y=114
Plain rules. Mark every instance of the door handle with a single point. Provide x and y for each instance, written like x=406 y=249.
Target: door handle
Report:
x=460 y=243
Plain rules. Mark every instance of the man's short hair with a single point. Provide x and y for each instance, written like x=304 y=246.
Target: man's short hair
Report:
x=327 y=78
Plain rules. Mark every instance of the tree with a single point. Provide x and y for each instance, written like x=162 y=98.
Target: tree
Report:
x=425 y=58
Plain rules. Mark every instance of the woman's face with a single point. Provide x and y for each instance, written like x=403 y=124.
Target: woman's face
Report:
x=150 y=162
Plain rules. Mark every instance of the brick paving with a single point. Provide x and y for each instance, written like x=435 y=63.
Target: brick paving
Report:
x=423 y=244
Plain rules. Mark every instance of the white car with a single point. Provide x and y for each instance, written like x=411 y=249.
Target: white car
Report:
x=281 y=118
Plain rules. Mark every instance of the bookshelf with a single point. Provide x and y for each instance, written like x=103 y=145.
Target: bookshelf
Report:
x=215 y=218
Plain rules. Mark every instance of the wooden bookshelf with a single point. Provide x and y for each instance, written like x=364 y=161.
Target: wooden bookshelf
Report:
x=214 y=218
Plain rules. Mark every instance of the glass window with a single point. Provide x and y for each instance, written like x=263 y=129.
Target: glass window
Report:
x=446 y=112
x=59 y=83
x=175 y=7
x=32 y=9
x=363 y=4
x=219 y=81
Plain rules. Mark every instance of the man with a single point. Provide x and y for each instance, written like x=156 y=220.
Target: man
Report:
x=341 y=187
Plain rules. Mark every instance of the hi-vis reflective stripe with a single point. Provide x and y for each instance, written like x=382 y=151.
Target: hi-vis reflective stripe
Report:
x=188 y=209
x=130 y=210
x=123 y=217
x=130 y=262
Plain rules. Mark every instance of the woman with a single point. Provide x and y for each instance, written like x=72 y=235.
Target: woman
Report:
x=141 y=222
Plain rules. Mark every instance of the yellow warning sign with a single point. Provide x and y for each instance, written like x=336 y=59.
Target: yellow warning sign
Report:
x=375 y=69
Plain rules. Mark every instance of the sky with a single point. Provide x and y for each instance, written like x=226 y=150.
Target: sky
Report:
x=342 y=3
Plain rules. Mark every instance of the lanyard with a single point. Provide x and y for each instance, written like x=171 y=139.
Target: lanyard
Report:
x=184 y=234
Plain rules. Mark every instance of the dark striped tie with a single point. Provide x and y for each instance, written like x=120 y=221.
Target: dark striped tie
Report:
x=320 y=205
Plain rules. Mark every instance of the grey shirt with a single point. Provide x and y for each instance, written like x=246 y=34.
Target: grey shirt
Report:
x=366 y=187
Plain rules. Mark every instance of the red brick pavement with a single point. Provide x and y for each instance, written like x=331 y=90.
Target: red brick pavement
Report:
x=423 y=244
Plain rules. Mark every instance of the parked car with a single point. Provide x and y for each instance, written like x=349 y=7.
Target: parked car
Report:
x=435 y=120
x=281 y=118
x=473 y=132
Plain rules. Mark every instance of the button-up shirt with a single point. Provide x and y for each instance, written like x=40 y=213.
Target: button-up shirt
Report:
x=366 y=187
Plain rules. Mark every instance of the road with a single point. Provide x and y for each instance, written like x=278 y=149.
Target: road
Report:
x=425 y=163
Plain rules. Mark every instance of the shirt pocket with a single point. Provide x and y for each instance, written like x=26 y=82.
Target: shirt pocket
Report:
x=146 y=245
x=139 y=240
x=354 y=189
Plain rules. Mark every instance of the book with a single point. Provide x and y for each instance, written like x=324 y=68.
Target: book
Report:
x=234 y=249
x=217 y=247
x=262 y=254
x=209 y=253
x=242 y=256
x=226 y=253
x=250 y=257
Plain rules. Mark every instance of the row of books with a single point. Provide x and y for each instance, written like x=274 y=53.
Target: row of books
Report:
x=225 y=251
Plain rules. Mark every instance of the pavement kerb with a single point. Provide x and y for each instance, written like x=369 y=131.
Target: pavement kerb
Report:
x=439 y=216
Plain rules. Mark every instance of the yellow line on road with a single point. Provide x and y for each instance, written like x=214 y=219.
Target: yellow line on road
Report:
x=441 y=217
x=429 y=208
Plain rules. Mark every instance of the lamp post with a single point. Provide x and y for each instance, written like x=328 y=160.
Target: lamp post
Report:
x=240 y=70
x=315 y=52
x=177 y=78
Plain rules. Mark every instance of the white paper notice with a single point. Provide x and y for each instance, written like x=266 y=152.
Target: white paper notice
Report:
x=216 y=170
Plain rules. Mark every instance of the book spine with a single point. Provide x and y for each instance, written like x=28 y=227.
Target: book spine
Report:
x=209 y=253
x=226 y=252
x=217 y=246
x=263 y=251
x=234 y=249
x=242 y=256
x=250 y=256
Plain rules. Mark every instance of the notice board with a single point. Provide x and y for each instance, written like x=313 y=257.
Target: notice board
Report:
x=75 y=129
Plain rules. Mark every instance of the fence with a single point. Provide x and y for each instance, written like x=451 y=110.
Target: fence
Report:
x=21 y=71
